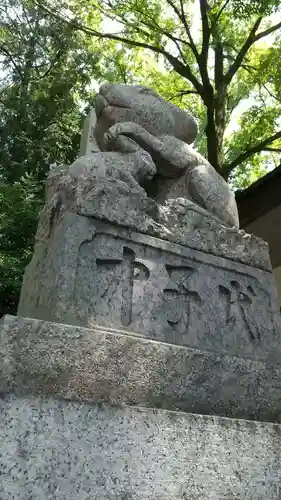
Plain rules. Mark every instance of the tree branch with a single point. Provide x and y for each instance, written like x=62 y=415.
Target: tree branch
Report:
x=200 y=58
x=175 y=9
x=187 y=92
x=218 y=65
x=188 y=32
x=11 y=58
x=252 y=151
x=182 y=69
x=52 y=65
x=205 y=30
x=150 y=23
x=253 y=38
x=181 y=94
x=182 y=17
x=221 y=11
x=247 y=67
x=274 y=150
x=271 y=93
x=267 y=32
x=243 y=51
x=203 y=66
x=180 y=52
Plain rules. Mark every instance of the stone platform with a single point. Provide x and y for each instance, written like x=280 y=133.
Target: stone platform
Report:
x=106 y=366
x=100 y=414
x=60 y=450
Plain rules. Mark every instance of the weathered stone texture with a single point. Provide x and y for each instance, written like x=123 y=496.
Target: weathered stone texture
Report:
x=190 y=225
x=88 y=144
x=90 y=273
x=86 y=188
x=100 y=365
x=117 y=103
x=61 y=450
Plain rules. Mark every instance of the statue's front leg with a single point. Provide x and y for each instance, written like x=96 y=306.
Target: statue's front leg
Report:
x=143 y=168
x=139 y=135
x=119 y=142
x=212 y=192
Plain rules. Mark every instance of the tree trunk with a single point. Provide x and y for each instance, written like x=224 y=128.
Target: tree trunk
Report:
x=216 y=104
x=212 y=139
x=214 y=128
x=220 y=106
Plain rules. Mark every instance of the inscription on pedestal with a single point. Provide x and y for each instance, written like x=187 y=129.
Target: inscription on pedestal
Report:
x=179 y=297
x=241 y=306
x=170 y=297
x=130 y=270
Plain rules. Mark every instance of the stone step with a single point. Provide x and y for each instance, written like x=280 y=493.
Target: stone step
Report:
x=62 y=450
x=106 y=366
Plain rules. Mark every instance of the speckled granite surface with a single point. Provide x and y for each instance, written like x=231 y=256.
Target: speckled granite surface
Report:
x=100 y=365
x=60 y=450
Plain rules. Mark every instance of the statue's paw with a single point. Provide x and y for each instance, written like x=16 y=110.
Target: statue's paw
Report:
x=179 y=205
x=147 y=169
x=114 y=132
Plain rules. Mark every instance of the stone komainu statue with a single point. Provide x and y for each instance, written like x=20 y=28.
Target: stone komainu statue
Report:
x=139 y=163
x=130 y=117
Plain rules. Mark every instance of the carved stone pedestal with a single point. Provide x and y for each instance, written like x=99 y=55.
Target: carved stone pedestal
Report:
x=89 y=273
x=96 y=414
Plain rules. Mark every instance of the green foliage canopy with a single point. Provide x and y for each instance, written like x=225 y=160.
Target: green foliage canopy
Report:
x=44 y=75
x=213 y=57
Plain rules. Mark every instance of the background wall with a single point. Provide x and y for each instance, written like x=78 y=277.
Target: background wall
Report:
x=277 y=274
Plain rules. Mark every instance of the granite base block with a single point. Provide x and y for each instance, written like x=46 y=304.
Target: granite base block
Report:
x=60 y=450
x=106 y=366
